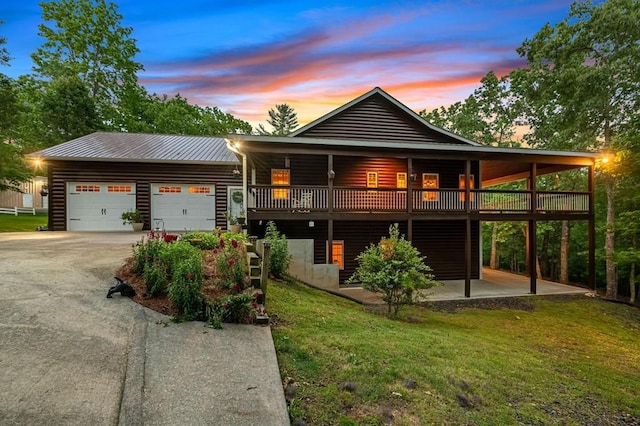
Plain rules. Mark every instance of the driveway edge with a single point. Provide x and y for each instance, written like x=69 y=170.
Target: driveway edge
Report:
x=131 y=404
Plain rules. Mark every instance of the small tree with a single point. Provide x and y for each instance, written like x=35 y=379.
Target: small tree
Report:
x=394 y=268
x=279 y=256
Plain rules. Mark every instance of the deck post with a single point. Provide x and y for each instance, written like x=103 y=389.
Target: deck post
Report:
x=330 y=176
x=409 y=187
x=467 y=258
x=591 y=267
x=533 y=225
x=330 y=241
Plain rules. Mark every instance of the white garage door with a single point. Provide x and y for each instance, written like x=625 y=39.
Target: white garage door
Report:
x=98 y=206
x=183 y=207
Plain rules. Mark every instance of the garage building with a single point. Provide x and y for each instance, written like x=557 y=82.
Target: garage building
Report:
x=177 y=182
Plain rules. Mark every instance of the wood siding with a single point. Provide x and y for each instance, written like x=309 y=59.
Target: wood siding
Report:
x=352 y=171
x=143 y=174
x=376 y=119
x=448 y=171
x=298 y=229
x=443 y=244
x=305 y=169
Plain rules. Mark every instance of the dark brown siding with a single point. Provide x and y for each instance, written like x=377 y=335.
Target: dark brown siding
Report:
x=305 y=169
x=143 y=174
x=448 y=170
x=299 y=229
x=375 y=118
x=443 y=244
x=352 y=171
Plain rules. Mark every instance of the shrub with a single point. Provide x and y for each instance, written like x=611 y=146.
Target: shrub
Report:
x=394 y=268
x=231 y=264
x=146 y=253
x=238 y=308
x=186 y=281
x=156 y=278
x=279 y=257
x=202 y=240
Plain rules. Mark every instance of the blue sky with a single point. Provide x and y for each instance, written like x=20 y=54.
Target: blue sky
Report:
x=244 y=57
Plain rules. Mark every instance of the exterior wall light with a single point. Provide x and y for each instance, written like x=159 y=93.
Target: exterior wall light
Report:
x=331 y=174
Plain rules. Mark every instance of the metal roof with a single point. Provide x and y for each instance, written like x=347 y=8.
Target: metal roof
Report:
x=484 y=152
x=394 y=101
x=143 y=148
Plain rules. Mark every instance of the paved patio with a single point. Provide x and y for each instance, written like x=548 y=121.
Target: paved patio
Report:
x=493 y=284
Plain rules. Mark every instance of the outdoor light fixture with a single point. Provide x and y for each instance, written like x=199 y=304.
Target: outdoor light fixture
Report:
x=331 y=174
x=236 y=172
x=44 y=190
x=311 y=224
x=413 y=176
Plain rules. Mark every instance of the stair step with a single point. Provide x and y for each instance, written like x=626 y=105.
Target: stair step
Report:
x=253 y=258
x=254 y=270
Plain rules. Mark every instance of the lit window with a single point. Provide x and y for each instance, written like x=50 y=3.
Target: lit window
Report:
x=119 y=188
x=430 y=181
x=372 y=179
x=199 y=190
x=461 y=185
x=87 y=188
x=170 y=189
x=280 y=177
x=337 y=253
x=401 y=180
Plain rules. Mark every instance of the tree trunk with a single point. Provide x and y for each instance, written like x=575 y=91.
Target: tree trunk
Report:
x=632 y=283
x=493 y=263
x=609 y=240
x=632 y=274
x=564 y=252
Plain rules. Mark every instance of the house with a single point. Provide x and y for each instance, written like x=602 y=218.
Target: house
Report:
x=32 y=194
x=337 y=183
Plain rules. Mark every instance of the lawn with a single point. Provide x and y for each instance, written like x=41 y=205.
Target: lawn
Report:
x=554 y=361
x=21 y=223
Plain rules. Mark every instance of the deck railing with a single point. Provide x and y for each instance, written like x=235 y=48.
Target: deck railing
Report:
x=345 y=199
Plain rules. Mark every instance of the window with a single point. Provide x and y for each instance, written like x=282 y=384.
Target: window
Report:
x=170 y=189
x=280 y=177
x=337 y=253
x=119 y=188
x=401 y=180
x=430 y=181
x=461 y=185
x=372 y=179
x=87 y=188
x=199 y=190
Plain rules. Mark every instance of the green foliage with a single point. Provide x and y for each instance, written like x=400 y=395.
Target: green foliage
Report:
x=187 y=278
x=86 y=39
x=283 y=119
x=173 y=268
x=13 y=170
x=394 y=268
x=68 y=110
x=131 y=216
x=235 y=308
x=4 y=53
x=279 y=257
x=202 y=240
x=232 y=264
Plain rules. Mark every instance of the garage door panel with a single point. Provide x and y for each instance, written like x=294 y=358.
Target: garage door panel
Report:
x=183 y=207
x=98 y=206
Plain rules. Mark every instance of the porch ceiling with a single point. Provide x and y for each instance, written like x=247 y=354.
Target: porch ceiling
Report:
x=497 y=172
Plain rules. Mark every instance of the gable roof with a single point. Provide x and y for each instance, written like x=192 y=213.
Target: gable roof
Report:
x=142 y=148
x=376 y=115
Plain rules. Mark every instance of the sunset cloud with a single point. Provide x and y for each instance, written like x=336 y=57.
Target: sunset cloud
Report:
x=246 y=57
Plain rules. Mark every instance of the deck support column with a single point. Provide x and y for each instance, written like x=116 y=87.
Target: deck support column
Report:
x=467 y=258
x=591 y=267
x=533 y=225
x=330 y=241
x=467 y=233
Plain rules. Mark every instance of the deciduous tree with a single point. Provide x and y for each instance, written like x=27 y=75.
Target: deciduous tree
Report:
x=582 y=87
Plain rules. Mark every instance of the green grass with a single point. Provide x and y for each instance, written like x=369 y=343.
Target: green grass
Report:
x=568 y=361
x=22 y=222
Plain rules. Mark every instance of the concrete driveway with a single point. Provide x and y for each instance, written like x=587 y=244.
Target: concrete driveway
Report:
x=71 y=356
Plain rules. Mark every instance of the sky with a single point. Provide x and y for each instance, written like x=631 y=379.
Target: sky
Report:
x=247 y=56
